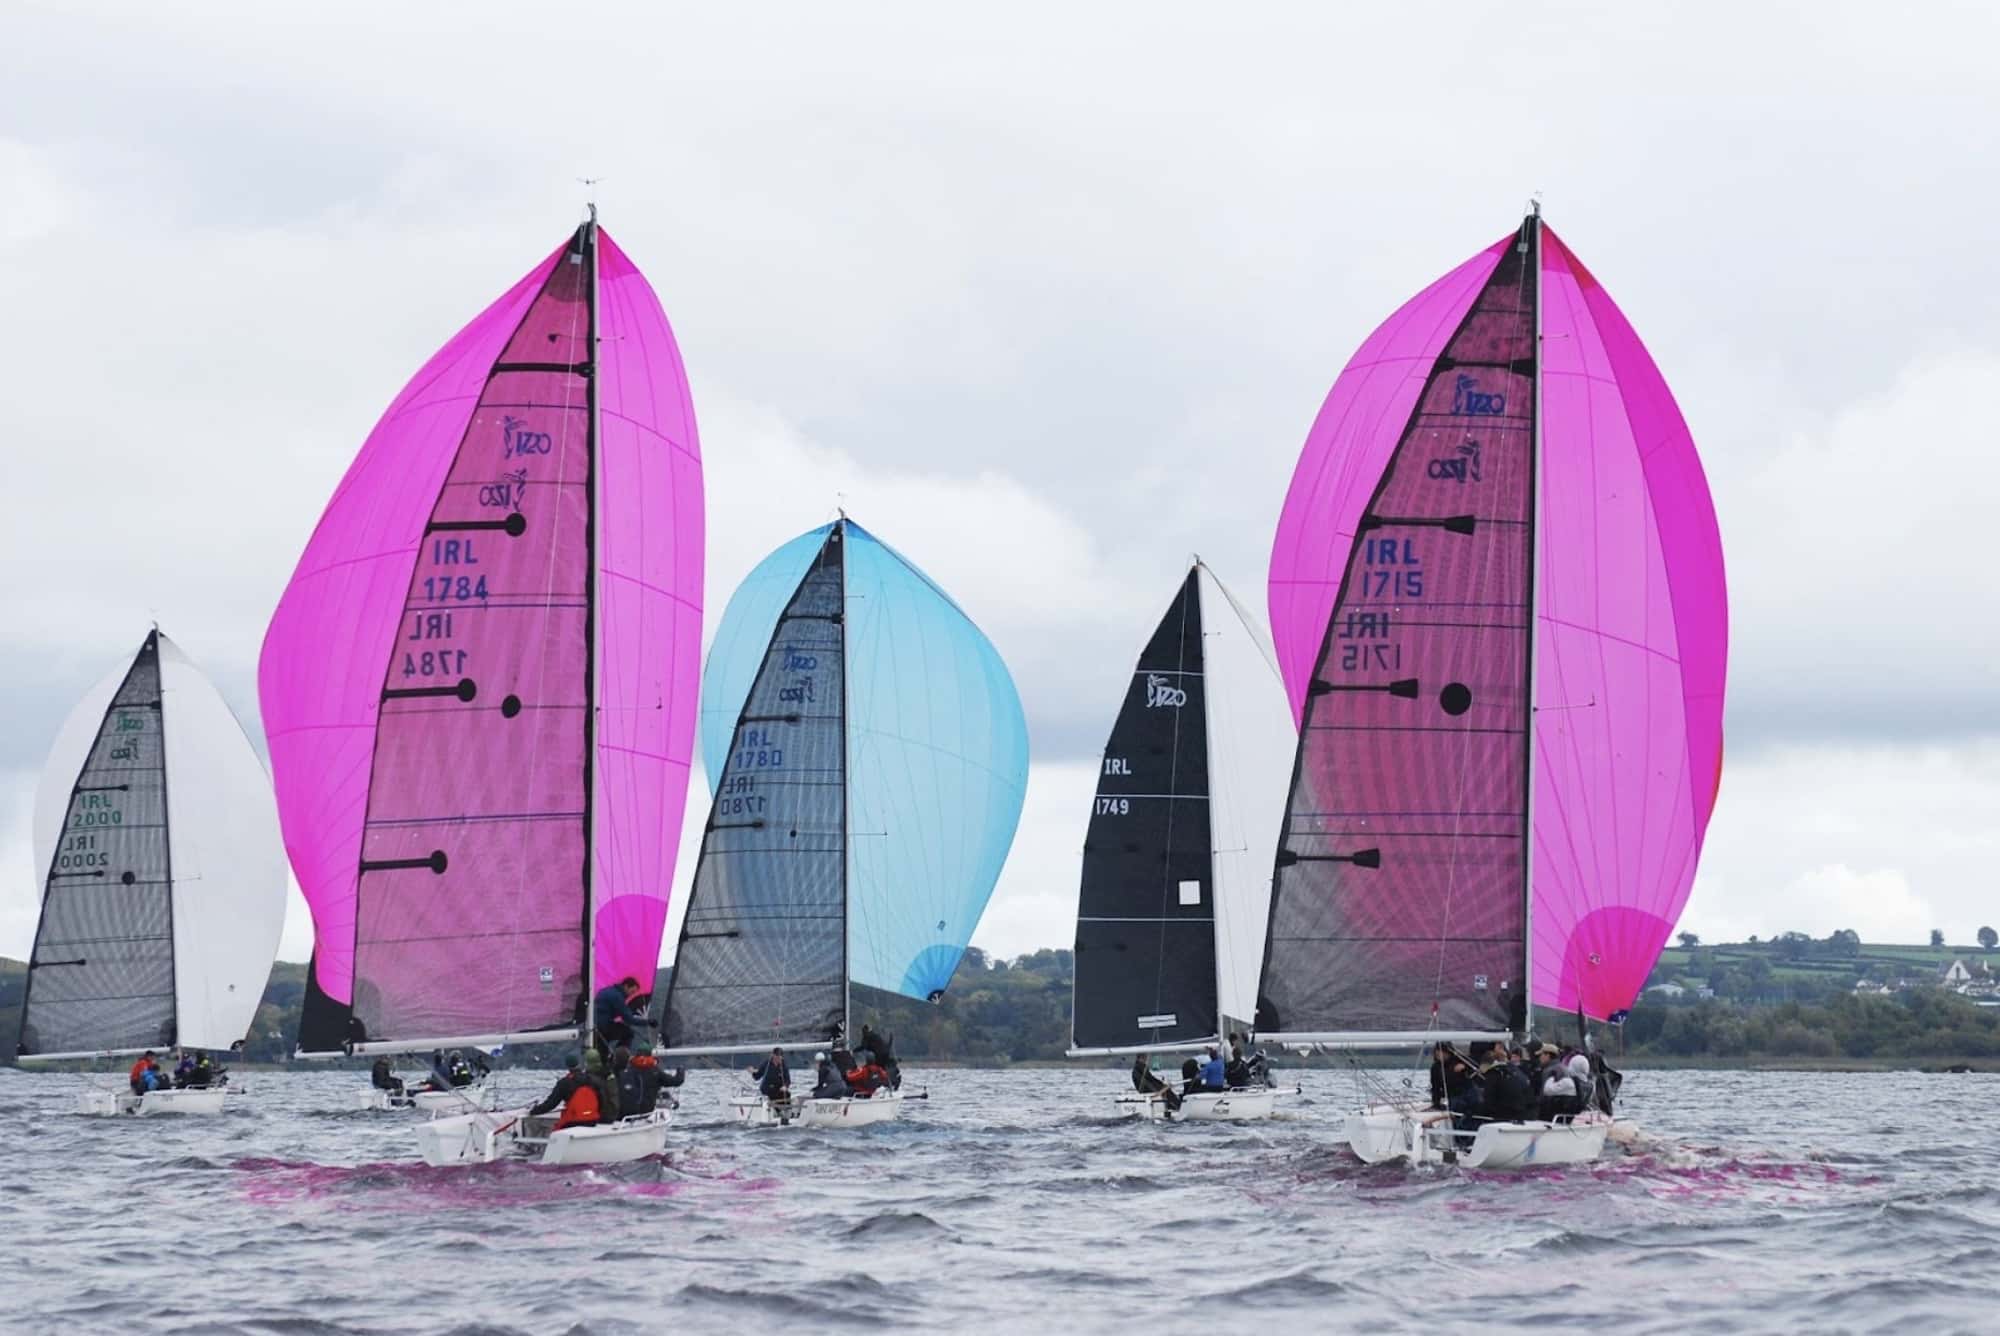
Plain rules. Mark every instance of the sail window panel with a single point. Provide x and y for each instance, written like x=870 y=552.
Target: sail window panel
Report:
x=102 y=967
x=763 y=949
x=122 y=994
x=1370 y=990
x=436 y=766
x=433 y=986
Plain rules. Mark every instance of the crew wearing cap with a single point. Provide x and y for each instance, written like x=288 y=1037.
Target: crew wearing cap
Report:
x=1559 y=1093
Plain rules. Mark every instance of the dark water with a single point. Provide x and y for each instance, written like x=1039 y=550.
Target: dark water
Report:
x=1752 y=1202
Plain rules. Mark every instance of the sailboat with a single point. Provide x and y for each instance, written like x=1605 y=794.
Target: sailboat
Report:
x=1498 y=602
x=1176 y=879
x=479 y=688
x=163 y=888
x=868 y=758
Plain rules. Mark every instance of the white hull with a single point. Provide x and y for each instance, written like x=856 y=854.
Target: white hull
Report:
x=433 y=1103
x=1526 y=1145
x=1222 y=1106
x=482 y=1138
x=882 y=1107
x=111 y=1103
x=1385 y=1132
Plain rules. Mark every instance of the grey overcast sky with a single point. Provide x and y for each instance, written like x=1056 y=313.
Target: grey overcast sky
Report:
x=1048 y=298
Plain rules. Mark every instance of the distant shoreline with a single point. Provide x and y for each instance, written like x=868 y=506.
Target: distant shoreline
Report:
x=1933 y=1064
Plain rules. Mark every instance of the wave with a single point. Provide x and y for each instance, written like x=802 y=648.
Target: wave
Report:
x=897 y=1225
x=836 y=1303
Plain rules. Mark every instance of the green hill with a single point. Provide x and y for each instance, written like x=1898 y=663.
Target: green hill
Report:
x=1790 y=998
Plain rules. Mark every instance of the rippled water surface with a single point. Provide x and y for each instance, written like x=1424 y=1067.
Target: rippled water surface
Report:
x=1011 y=1201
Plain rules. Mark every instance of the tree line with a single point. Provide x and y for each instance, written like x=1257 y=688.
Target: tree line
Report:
x=1017 y=1010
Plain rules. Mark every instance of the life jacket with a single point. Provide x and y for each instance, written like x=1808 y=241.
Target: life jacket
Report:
x=582 y=1108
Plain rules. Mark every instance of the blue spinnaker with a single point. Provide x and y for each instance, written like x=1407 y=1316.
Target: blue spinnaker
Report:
x=937 y=752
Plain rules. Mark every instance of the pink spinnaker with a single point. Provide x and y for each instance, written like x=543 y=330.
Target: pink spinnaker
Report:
x=489 y=653
x=1631 y=610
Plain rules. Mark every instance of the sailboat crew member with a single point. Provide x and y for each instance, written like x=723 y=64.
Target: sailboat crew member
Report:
x=195 y=1072
x=613 y=1014
x=1146 y=1081
x=382 y=1077
x=581 y=1095
x=1559 y=1094
x=1509 y=1091
x=829 y=1082
x=653 y=1081
x=774 y=1082
x=868 y=1075
x=883 y=1047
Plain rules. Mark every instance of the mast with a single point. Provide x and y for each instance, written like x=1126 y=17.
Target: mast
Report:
x=590 y=631
x=1532 y=240
x=166 y=839
x=847 y=1036
x=1398 y=890
x=1214 y=881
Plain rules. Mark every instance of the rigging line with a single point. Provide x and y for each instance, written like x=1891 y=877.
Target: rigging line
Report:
x=1487 y=556
x=578 y=314
x=1173 y=785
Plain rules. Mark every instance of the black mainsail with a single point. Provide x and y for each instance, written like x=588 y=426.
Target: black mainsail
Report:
x=1145 y=929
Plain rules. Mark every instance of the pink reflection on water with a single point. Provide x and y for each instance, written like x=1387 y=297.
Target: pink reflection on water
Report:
x=406 y=1186
x=1661 y=1172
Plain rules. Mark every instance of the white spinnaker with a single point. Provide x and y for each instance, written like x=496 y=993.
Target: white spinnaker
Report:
x=1251 y=744
x=228 y=858
x=74 y=740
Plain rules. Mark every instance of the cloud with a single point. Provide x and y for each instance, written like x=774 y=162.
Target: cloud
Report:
x=1065 y=613
x=1890 y=840
x=1049 y=315
x=1861 y=599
